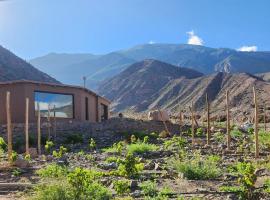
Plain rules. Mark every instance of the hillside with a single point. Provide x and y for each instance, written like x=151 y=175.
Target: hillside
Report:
x=14 y=68
x=204 y=59
x=136 y=85
x=153 y=84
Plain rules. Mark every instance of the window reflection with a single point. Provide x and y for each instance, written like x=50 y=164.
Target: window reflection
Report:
x=52 y=104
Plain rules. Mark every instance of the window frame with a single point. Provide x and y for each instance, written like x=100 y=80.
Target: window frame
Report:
x=60 y=93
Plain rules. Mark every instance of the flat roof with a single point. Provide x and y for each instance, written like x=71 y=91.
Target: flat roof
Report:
x=53 y=84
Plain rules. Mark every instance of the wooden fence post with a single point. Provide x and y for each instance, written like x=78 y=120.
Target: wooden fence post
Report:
x=264 y=117
x=192 y=123
x=256 y=123
x=49 y=123
x=54 y=120
x=228 y=121
x=38 y=130
x=9 y=129
x=208 y=118
x=27 y=126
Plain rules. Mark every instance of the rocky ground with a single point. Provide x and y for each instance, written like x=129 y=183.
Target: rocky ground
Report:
x=170 y=166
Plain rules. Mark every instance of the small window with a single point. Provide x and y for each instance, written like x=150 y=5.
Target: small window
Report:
x=86 y=109
x=50 y=104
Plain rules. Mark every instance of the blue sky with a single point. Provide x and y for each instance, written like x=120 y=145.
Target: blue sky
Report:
x=33 y=28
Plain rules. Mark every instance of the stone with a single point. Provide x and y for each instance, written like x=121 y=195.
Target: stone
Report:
x=21 y=162
x=33 y=152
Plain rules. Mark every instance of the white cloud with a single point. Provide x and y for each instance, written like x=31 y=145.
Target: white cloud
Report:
x=248 y=48
x=151 y=42
x=194 y=39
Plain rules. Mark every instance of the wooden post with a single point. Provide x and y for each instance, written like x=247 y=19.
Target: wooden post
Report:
x=9 y=130
x=264 y=117
x=180 y=122
x=27 y=126
x=49 y=123
x=38 y=130
x=192 y=123
x=54 y=120
x=256 y=124
x=228 y=121
x=208 y=118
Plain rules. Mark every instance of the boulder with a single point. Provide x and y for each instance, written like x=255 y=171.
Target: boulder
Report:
x=158 y=115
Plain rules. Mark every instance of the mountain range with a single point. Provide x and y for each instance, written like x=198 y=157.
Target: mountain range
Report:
x=14 y=68
x=70 y=68
x=152 y=84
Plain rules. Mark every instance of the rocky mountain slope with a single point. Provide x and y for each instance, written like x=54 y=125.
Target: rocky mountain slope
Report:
x=204 y=59
x=145 y=86
x=14 y=68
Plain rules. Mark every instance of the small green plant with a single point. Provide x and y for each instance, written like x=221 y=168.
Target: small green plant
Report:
x=199 y=132
x=175 y=142
x=198 y=168
x=3 y=144
x=52 y=171
x=13 y=156
x=111 y=159
x=246 y=180
x=236 y=133
x=116 y=148
x=121 y=186
x=92 y=144
x=133 y=139
x=219 y=137
x=16 y=172
x=266 y=186
x=129 y=167
x=48 y=146
x=27 y=157
x=146 y=139
x=149 y=188
x=141 y=147
x=60 y=153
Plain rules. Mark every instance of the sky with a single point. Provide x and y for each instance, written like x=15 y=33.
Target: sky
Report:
x=32 y=28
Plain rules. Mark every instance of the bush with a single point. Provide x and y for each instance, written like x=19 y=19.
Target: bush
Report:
x=149 y=188
x=60 y=153
x=53 y=171
x=3 y=144
x=53 y=191
x=199 y=132
x=130 y=166
x=246 y=180
x=92 y=144
x=85 y=185
x=121 y=186
x=116 y=148
x=198 y=168
x=141 y=147
x=48 y=146
x=175 y=141
x=74 y=139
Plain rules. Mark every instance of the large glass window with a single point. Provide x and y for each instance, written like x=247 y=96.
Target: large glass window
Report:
x=54 y=104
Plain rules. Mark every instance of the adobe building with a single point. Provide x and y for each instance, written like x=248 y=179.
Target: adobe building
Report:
x=64 y=102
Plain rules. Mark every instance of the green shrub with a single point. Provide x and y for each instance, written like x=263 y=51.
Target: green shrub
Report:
x=130 y=166
x=92 y=144
x=175 y=141
x=266 y=186
x=59 y=190
x=13 y=156
x=198 y=168
x=60 y=153
x=236 y=133
x=85 y=185
x=48 y=146
x=116 y=148
x=149 y=188
x=53 y=171
x=3 y=144
x=141 y=147
x=199 y=132
x=219 y=137
x=16 y=172
x=27 y=157
x=245 y=172
x=121 y=186
x=74 y=139
x=111 y=159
